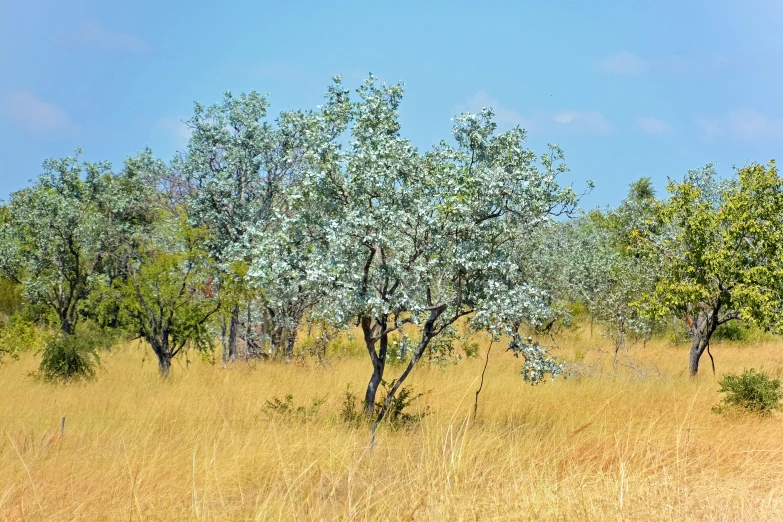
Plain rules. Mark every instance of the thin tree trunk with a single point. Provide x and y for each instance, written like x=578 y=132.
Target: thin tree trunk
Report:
x=481 y=385
x=289 y=344
x=428 y=332
x=264 y=330
x=67 y=326
x=378 y=361
x=232 y=333
x=275 y=340
x=702 y=332
x=247 y=333
x=372 y=388
x=223 y=338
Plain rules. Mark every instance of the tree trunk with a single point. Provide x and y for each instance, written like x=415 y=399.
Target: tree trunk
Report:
x=703 y=328
x=275 y=340
x=378 y=360
x=372 y=388
x=67 y=325
x=289 y=344
x=164 y=358
x=297 y=311
x=164 y=365
x=232 y=333
x=247 y=333
x=428 y=333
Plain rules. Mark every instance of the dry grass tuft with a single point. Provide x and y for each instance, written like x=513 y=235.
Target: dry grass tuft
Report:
x=638 y=444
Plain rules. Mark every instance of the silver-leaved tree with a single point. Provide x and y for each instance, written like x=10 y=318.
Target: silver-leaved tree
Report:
x=241 y=170
x=59 y=236
x=399 y=239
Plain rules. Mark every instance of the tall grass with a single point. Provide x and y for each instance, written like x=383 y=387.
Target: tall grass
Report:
x=636 y=443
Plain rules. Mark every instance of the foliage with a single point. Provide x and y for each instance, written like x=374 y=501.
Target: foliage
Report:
x=350 y=413
x=19 y=335
x=51 y=239
x=734 y=331
x=333 y=215
x=70 y=357
x=751 y=391
x=720 y=244
x=167 y=298
x=396 y=415
x=287 y=408
x=10 y=297
x=537 y=363
x=395 y=237
x=585 y=264
x=471 y=349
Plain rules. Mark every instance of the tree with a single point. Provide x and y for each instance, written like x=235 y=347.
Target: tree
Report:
x=54 y=239
x=168 y=299
x=166 y=291
x=720 y=244
x=587 y=261
x=241 y=168
x=420 y=241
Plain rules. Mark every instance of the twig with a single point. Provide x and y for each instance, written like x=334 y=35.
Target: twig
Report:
x=712 y=360
x=481 y=385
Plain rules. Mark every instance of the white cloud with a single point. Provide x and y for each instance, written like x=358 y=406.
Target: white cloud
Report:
x=583 y=121
x=624 y=64
x=34 y=115
x=541 y=123
x=651 y=125
x=743 y=125
x=95 y=36
x=505 y=118
x=175 y=129
x=750 y=124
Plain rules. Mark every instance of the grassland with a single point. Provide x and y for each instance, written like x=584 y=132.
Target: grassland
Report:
x=634 y=444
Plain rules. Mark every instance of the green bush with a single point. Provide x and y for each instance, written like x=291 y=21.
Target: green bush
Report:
x=397 y=415
x=10 y=297
x=732 y=331
x=19 y=335
x=351 y=412
x=752 y=392
x=67 y=358
x=286 y=408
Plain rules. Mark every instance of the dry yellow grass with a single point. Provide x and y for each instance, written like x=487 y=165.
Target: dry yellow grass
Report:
x=204 y=446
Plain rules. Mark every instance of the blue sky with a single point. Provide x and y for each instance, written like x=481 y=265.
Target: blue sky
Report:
x=627 y=89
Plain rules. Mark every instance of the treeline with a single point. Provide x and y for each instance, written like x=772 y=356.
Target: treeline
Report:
x=332 y=216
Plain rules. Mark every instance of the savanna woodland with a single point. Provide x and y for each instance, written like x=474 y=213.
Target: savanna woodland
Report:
x=303 y=316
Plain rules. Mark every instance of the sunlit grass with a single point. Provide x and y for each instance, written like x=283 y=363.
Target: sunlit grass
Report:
x=638 y=443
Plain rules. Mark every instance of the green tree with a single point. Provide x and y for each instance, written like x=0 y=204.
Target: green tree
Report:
x=168 y=298
x=166 y=289
x=720 y=245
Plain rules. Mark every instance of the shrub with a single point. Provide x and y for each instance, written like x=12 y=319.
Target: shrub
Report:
x=397 y=415
x=286 y=408
x=471 y=349
x=8 y=351
x=351 y=412
x=10 y=297
x=67 y=358
x=732 y=331
x=752 y=391
x=19 y=335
